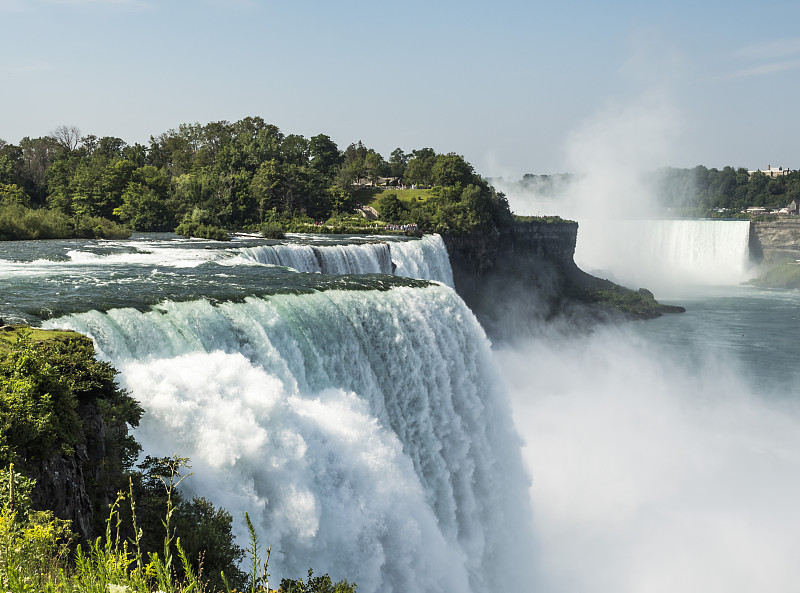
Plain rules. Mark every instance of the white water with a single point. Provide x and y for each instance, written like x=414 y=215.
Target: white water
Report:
x=659 y=462
x=371 y=258
x=425 y=258
x=659 y=254
x=366 y=433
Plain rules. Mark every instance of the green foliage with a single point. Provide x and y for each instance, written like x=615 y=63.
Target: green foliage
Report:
x=786 y=275
x=18 y=222
x=392 y=209
x=272 y=231
x=44 y=385
x=323 y=584
x=37 y=405
x=199 y=224
x=542 y=219
x=13 y=194
x=238 y=173
x=34 y=545
x=34 y=549
x=162 y=541
x=205 y=532
x=704 y=192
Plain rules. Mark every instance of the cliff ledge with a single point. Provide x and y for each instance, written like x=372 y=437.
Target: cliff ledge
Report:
x=516 y=278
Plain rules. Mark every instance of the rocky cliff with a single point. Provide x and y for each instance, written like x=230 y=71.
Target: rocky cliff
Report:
x=516 y=278
x=778 y=240
x=80 y=475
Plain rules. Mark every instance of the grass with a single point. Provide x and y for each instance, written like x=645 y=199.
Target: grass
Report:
x=36 y=553
x=9 y=335
x=370 y=197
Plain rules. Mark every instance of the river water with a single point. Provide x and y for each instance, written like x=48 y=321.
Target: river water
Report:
x=373 y=432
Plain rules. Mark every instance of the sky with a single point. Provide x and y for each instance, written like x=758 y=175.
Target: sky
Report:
x=516 y=87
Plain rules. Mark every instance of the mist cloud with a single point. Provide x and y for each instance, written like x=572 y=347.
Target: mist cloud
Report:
x=654 y=472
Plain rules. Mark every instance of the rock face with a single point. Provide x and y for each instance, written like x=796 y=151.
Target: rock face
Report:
x=517 y=278
x=81 y=485
x=778 y=240
x=82 y=473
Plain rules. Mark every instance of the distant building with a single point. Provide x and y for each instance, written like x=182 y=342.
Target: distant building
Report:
x=770 y=172
x=794 y=207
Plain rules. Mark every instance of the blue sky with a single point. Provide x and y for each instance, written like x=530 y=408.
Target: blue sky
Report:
x=516 y=87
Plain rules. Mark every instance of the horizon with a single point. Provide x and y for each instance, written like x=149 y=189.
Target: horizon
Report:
x=516 y=89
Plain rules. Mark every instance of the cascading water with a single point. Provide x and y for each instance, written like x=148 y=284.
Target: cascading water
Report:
x=425 y=258
x=660 y=253
x=366 y=432
x=371 y=258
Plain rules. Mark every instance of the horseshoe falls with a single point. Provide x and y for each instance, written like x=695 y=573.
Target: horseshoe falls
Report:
x=366 y=430
x=660 y=254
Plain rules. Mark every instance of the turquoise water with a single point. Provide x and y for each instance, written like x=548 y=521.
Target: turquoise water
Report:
x=44 y=279
x=757 y=331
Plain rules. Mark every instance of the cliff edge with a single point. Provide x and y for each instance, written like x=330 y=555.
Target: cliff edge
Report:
x=519 y=277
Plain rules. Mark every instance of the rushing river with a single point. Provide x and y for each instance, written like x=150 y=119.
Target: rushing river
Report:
x=367 y=424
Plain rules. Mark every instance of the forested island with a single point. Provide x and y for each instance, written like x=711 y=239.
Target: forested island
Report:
x=204 y=180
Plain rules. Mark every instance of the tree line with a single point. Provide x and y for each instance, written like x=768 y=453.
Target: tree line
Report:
x=697 y=191
x=701 y=191
x=239 y=175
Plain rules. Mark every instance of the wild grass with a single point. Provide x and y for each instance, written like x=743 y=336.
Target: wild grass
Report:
x=36 y=552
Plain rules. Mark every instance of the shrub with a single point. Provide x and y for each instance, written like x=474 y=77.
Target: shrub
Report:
x=272 y=231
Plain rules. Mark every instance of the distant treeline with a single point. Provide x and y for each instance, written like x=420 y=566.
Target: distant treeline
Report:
x=706 y=192
x=239 y=175
x=698 y=191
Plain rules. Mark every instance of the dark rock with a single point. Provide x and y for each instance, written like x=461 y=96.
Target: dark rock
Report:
x=522 y=280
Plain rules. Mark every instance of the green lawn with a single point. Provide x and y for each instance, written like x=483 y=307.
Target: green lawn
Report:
x=8 y=337
x=370 y=197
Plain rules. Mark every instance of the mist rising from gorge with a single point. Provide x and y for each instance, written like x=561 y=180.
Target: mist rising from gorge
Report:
x=654 y=469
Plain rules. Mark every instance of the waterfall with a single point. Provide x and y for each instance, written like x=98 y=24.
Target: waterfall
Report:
x=370 y=258
x=424 y=258
x=367 y=433
x=665 y=252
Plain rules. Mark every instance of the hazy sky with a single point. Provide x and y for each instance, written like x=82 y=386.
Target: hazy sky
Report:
x=516 y=87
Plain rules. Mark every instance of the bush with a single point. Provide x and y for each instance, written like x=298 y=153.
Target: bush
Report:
x=200 y=224
x=272 y=231
x=202 y=231
x=20 y=223
x=37 y=406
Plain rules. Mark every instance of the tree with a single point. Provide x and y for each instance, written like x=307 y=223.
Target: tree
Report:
x=325 y=155
x=295 y=150
x=451 y=169
x=143 y=210
x=419 y=167
x=398 y=161
x=38 y=154
x=67 y=137
x=13 y=194
x=392 y=209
